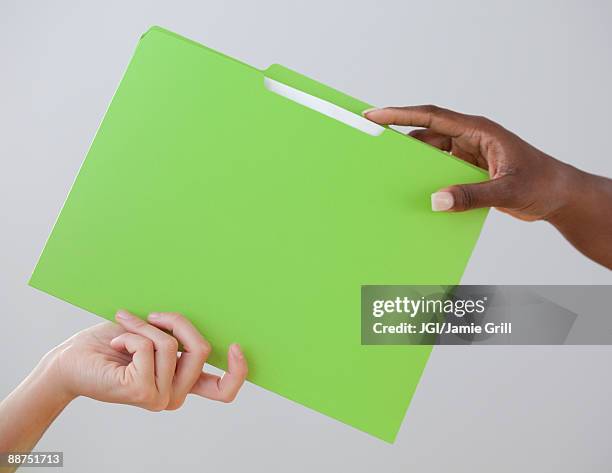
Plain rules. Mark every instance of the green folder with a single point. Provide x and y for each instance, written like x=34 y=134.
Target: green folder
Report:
x=259 y=219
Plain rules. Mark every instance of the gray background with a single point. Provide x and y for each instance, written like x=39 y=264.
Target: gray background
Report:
x=542 y=69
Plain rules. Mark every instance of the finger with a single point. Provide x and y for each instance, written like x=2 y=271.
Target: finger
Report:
x=224 y=388
x=453 y=146
x=141 y=349
x=195 y=353
x=433 y=138
x=469 y=150
x=165 y=346
x=440 y=120
x=498 y=192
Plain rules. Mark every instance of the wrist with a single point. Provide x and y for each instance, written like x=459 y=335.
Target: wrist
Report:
x=571 y=193
x=47 y=382
x=29 y=410
x=584 y=218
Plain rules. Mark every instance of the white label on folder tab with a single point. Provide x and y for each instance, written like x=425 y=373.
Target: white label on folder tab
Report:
x=324 y=107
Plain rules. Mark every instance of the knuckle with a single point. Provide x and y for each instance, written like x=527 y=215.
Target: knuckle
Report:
x=465 y=198
x=158 y=403
x=485 y=124
x=138 y=322
x=507 y=185
x=175 y=404
x=143 y=396
x=169 y=344
x=227 y=397
x=203 y=349
x=155 y=407
x=431 y=109
x=507 y=189
x=433 y=113
x=145 y=344
x=173 y=316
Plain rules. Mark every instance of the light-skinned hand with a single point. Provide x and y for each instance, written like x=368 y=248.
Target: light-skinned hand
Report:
x=133 y=362
x=137 y=362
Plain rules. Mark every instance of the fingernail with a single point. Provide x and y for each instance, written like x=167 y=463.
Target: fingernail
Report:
x=154 y=316
x=441 y=201
x=236 y=351
x=123 y=315
x=365 y=112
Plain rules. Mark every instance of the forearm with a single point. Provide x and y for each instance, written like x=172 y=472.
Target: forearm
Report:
x=29 y=410
x=586 y=218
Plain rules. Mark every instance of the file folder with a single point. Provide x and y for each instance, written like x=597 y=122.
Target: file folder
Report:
x=259 y=218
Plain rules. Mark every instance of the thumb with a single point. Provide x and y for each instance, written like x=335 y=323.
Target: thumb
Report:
x=493 y=193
